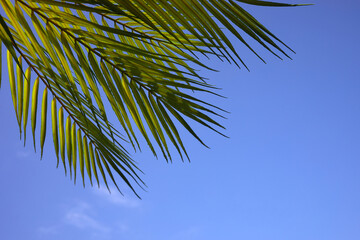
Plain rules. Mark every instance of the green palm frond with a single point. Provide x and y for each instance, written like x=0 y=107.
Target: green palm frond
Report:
x=136 y=57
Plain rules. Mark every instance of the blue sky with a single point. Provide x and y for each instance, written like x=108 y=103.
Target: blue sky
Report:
x=290 y=170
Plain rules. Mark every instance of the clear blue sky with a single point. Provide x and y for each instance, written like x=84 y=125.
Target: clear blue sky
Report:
x=290 y=171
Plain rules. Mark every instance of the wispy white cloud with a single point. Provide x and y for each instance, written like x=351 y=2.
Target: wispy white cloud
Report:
x=82 y=220
x=80 y=217
x=117 y=199
x=83 y=217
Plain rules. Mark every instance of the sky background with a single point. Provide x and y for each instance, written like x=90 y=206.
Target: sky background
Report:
x=290 y=170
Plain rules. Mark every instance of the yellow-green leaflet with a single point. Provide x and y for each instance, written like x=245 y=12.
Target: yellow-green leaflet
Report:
x=43 y=121
x=81 y=155
x=34 y=103
x=12 y=82
x=55 y=129
x=73 y=149
x=26 y=100
x=101 y=169
x=20 y=83
x=68 y=142
x=93 y=163
x=62 y=136
x=87 y=160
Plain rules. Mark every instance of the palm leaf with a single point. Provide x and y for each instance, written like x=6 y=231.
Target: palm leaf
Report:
x=137 y=57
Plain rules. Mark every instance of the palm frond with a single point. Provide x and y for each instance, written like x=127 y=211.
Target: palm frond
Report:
x=137 y=57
